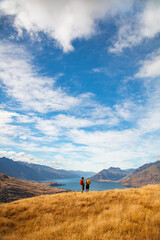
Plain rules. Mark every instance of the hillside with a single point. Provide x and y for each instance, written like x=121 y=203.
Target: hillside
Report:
x=12 y=189
x=110 y=174
x=36 y=172
x=150 y=175
x=130 y=214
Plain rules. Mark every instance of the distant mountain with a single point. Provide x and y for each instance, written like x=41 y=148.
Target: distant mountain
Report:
x=14 y=189
x=147 y=165
x=110 y=174
x=48 y=172
x=130 y=170
x=146 y=174
x=82 y=173
x=26 y=171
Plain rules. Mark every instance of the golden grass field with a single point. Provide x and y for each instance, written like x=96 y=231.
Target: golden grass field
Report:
x=130 y=214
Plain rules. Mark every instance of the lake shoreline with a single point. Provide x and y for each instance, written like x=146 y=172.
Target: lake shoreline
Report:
x=73 y=184
x=106 y=181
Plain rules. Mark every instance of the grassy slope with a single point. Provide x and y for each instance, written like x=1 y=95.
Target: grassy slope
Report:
x=12 y=189
x=130 y=214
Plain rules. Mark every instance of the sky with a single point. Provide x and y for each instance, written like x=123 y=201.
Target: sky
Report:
x=80 y=82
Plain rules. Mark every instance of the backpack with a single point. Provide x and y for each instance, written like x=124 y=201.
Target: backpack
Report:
x=81 y=182
x=88 y=181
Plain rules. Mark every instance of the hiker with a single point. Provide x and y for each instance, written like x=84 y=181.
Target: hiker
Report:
x=82 y=184
x=88 y=182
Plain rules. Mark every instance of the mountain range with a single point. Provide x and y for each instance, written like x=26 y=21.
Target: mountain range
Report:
x=31 y=172
x=147 y=174
x=35 y=172
x=111 y=174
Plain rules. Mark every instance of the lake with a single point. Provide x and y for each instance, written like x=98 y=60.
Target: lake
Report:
x=73 y=184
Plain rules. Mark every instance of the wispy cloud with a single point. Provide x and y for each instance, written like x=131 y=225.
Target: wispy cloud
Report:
x=144 y=24
x=21 y=82
x=149 y=73
x=150 y=68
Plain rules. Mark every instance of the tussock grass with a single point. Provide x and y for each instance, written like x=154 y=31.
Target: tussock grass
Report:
x=12 y=189
x=130 y=214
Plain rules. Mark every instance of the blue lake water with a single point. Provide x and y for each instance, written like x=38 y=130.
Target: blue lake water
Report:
x=73 y=184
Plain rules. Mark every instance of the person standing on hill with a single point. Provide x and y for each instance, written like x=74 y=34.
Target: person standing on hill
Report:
x=88 y=182
x=82 y=184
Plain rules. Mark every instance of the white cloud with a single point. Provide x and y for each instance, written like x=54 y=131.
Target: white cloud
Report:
x=144 y=24
x=6 y=117
x=129 y=148
x=7 y=128
x=63 y=21
x=20 y=130
x=127 y=110
x=96 y=70
x=116 y=148
x=72 y=122
x=21 y=82
x=140 y=141
x=47 y=127
x=106 y=139
x=151 y=122
x=151 y=67
x=22 y=156
x=150 y=19
x=149 y=73
x=105 y=147
x=59 y=125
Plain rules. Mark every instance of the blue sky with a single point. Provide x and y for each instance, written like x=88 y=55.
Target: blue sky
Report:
x=80 y=82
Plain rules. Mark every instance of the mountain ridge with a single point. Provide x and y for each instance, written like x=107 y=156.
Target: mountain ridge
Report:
x=146 y=165
x=110 y=174
x=30 y=171
x=146 y=174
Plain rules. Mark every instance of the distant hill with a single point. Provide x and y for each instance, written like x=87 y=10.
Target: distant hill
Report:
x=130 y=170
x=26 y=171
x=12 y=189
x=110 y=174
x=146 y=174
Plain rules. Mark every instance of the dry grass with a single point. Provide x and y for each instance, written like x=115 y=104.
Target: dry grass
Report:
x=130 y=214
x=12 y=189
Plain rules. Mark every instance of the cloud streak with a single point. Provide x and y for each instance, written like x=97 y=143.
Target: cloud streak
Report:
x=142 y=25
x=21 y=82
x=150 y=67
